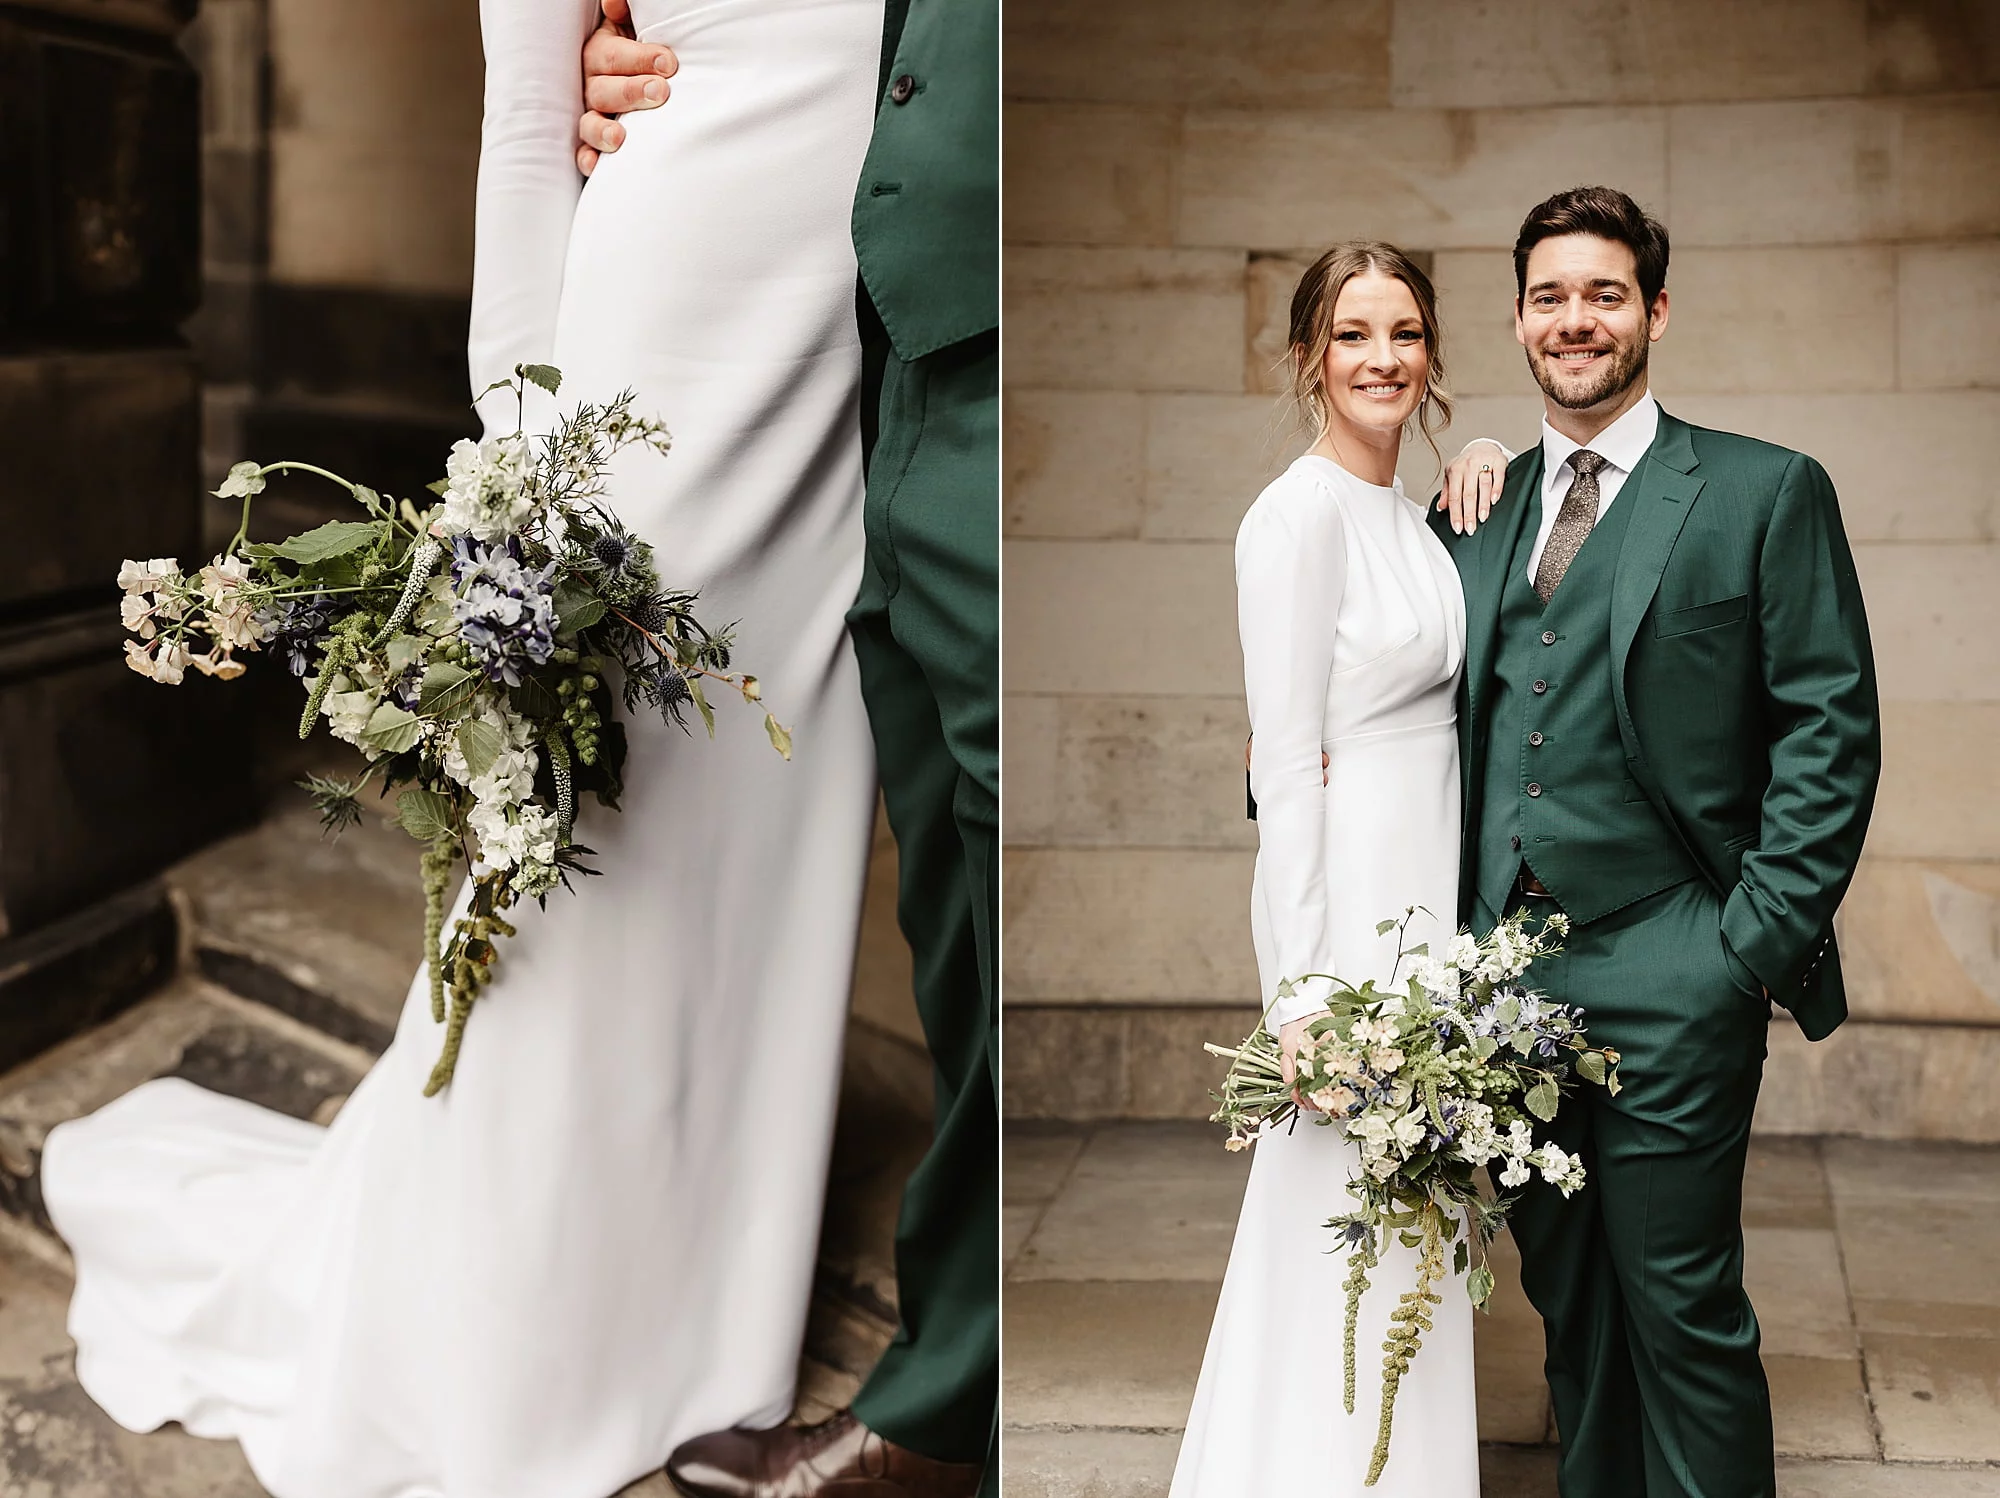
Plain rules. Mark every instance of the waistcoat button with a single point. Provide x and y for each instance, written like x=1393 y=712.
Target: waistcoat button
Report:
x=1535 y=738
x=1533 y=789
x=1541 y=687
x=901 y=89
x=1548 y=637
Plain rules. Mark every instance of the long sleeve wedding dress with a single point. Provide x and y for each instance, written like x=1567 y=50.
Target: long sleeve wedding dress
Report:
x=600 y=1240
x=1353 y=632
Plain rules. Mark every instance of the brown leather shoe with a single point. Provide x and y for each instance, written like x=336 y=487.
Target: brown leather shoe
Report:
x=840 y=1458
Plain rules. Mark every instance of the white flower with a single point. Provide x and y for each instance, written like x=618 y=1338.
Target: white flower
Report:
x=1516 y=1173
x=244 y=480
x=486 y=489
x=1410 y=1129
x=1383 y=1168
x=511 y=776
x=1438 y=977
x=230 y=618
x=347 y=712
x=1520 y=1137
x=529 y=835
x=143 y=577
x=1462 y=952
x=136 y=610
x=1552 y=1161
x=1384 y=1060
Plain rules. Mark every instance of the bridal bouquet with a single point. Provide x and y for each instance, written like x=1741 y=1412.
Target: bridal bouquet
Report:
x=467 y=650
x=1431 y=1080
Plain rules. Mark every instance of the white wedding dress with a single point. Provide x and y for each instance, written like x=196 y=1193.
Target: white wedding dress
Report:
x=1353 y=630
x=601 y=1240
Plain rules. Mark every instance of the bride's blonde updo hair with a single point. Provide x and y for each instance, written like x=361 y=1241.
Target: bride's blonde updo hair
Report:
x=1312 y=330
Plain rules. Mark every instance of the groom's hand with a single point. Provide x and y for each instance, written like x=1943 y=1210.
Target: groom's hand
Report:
x=1471 y=484
x=620 y=75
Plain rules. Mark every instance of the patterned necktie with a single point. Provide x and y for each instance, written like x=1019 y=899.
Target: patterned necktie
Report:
x=1573 y=522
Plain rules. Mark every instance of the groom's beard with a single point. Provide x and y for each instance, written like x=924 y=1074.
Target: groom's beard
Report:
x=1612 y=377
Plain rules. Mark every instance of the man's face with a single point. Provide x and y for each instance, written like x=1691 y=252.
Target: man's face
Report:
x=1583 y=322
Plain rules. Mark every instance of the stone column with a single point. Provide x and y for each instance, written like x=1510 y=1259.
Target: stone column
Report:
x=104 y=778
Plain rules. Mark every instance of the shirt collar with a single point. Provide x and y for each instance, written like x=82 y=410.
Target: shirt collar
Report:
x=1622 y=444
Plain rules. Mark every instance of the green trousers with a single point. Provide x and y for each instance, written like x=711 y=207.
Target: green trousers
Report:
x=1652 y=1344
x=926 y=632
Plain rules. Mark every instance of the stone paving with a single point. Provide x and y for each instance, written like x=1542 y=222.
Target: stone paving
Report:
x=1870 y=1264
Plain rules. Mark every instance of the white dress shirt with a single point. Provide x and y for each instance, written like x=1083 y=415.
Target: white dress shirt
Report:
x=1622 y=445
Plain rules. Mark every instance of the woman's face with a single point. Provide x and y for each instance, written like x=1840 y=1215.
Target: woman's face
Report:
x=1377 y=364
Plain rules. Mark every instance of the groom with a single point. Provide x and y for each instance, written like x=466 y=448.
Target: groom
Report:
x=926 y=636
x=1668 y=731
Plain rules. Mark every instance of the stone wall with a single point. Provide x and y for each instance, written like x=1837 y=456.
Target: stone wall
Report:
x=1830 y=172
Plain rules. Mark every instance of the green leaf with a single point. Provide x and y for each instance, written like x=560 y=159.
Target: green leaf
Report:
x=1542 y=1099
x=545 y=375
x=1383 y=928
x=438 y=486
x=1590 y=1066
x=405 y=651
x=426 y=815
x=1461 y=1257
x=391 y=730
x=496 y=385
x=1484 y=1046
x=1611 y=1083
x=446 y=689
x=701 y=702
x=577 y=607
x=1479 y=1285
x=781 y=736
x=337 y=538
x=533 y=699
x=480 y=742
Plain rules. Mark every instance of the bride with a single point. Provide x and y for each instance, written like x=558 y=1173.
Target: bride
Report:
x=600 y=1241
x=1353 y=632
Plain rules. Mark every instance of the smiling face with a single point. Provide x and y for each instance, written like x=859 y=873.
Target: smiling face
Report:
x=1585 y=324
x=1377 y=361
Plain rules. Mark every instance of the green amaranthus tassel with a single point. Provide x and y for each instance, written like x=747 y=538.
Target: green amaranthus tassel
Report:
x=470 y=959
x=1358 y=1264
x=338 y=653
x=437 y=861
x=1408 y=1323
x=423 y=561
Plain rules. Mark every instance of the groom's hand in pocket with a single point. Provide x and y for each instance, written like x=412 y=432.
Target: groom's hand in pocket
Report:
x=620 y=75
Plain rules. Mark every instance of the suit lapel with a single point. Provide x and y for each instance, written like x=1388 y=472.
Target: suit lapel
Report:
x=1663 y=493
x=1489 y=552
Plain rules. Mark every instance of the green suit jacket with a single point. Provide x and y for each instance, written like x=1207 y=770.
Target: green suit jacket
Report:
x=1743 y=682
x=927 y=212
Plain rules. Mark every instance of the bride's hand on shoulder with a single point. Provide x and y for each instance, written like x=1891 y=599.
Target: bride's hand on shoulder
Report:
x=1472 y=483
x=1290 y=1038
x=620 y=75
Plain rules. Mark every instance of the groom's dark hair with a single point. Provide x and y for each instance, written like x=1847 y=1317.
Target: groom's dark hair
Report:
x=1607 y=213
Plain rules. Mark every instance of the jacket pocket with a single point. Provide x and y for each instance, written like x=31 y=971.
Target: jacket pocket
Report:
x=1702 y=616
x=1738 y=843
x=1633 y=790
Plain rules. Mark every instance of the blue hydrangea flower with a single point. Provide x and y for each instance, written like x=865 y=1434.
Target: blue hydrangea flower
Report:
x=505 y=610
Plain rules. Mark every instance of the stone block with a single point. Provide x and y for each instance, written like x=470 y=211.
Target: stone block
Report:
x=1075 y=463
x=1449 y=178
x=1883 y=1081
x=1090 y=174
x=1796 y=1282
x=1819 y=1407
x=1948 y=316
x=1921 y=941
x=1138 y=925
x=1206 y=458
x=1104 y=1353
x=1476 y=303
x=388 y=70
x=1288 y=54
x=1469 y=54
x=1124 y=319
x=1797 y=319
x=1270 y=280
x=1036 y=1161
x=106 y=444
x=1909 y=466
x=1148 y=1223
x=1029 y=738
x=1932 y=612
x=1061 y=1063
x=1784 y=1185
x=1515 y=420
x=1070 y=1463
x=1922 y=47
x=1140 y=772
x=1121 y=617
x=81 y=970
x=227 y=43
x=1935 y=1396
x=1835 y=171
x=349 y=211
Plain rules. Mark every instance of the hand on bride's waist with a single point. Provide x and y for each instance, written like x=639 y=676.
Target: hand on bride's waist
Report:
x=620 y=75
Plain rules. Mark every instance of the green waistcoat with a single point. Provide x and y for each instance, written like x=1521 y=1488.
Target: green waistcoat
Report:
x=927 y=212
x=1557 y=793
